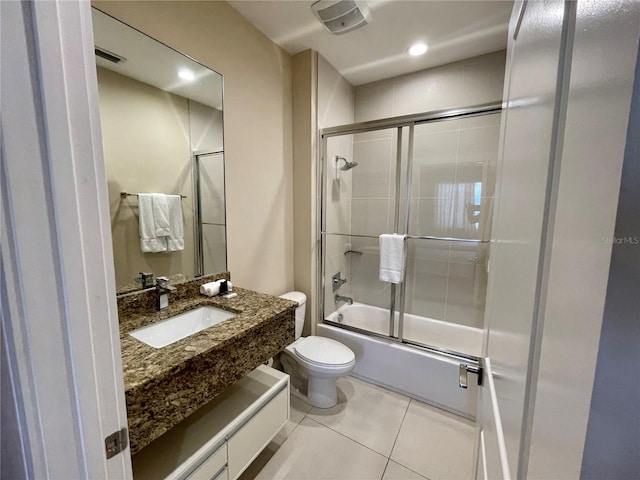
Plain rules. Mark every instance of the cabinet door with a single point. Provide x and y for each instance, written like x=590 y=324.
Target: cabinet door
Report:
x=253 y=436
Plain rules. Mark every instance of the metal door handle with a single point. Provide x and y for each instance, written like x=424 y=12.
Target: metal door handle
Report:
x=464 y=370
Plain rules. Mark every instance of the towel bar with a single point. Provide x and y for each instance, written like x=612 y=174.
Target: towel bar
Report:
x=125 y=195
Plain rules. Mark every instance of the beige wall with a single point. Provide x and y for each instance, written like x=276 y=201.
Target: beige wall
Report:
x=145 y=135
x=304 y=179
x=257 y=120
x=461 y=84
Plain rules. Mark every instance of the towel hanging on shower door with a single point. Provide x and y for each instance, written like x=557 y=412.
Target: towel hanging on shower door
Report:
x=392 y=257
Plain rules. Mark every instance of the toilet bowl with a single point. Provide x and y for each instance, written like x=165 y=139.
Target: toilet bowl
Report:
x=315 y=363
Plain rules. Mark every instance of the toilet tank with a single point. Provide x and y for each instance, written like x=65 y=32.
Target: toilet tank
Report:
x=301 y=298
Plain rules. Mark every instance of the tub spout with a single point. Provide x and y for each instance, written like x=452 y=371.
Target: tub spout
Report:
x=340 y=298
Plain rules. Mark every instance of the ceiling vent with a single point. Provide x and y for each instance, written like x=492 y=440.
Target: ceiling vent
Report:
x=341 y=16
x=110 y=56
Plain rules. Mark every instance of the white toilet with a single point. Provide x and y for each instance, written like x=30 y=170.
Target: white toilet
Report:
x=315 y=363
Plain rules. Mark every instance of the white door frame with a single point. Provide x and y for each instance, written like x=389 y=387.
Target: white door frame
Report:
x=62 y=366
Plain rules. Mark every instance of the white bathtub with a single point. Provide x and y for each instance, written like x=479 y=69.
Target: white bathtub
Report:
x=420 y=374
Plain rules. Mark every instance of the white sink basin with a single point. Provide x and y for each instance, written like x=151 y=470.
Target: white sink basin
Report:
x=176 y=328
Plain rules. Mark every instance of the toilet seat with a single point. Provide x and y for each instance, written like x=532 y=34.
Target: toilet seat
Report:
x=323 y=351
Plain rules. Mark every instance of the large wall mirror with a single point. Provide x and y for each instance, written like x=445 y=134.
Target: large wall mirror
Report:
x=162 y=132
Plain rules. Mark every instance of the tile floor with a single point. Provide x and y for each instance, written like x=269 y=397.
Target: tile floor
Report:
x=372 y=433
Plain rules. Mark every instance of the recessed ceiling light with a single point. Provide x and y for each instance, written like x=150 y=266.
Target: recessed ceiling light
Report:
x=186 y=74
x=418 y=49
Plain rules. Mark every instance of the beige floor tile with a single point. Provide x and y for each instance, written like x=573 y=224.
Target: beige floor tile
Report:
x=435 y=444
x=398 y=472
x=366 y=413
x=299 y=408
x=315 y=452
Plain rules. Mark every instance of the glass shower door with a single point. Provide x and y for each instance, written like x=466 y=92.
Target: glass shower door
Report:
x=432 y=179
x=362 y=191
x=450 y=210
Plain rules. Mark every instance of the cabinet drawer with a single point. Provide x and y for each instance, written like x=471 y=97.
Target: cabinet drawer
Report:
x=184 y=451
x=223 y=475
x=249 y=441
x=211 y=466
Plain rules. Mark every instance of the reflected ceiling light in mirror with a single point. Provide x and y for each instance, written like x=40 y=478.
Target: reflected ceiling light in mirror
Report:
x=186 y=74
x=418 y=49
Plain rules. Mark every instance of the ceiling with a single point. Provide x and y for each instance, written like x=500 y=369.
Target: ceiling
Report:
x=453 y=29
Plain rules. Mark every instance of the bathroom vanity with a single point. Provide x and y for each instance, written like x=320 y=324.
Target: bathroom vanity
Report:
x=204 y=403
x=222 y=438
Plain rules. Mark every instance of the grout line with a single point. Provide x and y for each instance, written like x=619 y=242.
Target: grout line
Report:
x=385 y=468
x=395 y=440
x=348 y=438
x=419 y=474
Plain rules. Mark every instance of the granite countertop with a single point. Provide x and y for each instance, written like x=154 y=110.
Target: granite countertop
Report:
x=165 y=385
x=143 y=363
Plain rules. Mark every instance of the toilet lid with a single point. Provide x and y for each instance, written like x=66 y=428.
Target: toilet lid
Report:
x=324 y=351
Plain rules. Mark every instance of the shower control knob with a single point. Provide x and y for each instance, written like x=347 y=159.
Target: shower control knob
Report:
x=338 y=281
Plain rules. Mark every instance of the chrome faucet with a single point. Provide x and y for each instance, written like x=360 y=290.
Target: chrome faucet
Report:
x=340 y=298
x=163 y=288
x=146 y=279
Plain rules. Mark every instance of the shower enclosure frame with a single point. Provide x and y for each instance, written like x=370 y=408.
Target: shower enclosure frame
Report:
x=197 y=209
x=399 y=123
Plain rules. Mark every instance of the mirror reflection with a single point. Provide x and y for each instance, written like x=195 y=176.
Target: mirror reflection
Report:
x=162 y=130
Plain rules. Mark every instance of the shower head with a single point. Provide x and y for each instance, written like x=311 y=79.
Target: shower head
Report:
x=347 y=164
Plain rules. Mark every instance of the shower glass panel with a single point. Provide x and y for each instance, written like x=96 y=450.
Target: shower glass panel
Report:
x=210 y=212
x=452 y=191
x=431 y=177
x=360 y=179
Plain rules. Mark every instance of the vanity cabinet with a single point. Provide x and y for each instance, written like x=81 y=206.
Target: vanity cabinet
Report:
x=219 y=440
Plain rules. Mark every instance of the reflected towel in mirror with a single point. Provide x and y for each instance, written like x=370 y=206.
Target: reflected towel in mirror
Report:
x=175 y=240
x=149 y=241
x=161 y=214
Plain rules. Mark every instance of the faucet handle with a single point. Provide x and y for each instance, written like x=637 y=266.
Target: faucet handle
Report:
x=146 y=279
x=162 y=281
x=338 y=281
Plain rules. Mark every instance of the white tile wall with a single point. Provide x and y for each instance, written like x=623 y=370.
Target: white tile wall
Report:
x=373 y=176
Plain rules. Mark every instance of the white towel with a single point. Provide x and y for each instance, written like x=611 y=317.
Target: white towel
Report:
x=212 y=289
x=392 y=257
x=161 y=214
x=175 y=239
x=149 y=241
